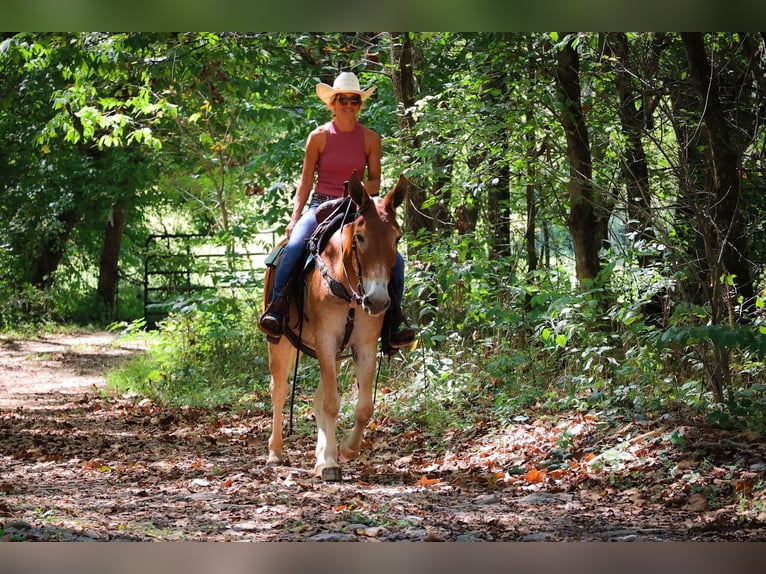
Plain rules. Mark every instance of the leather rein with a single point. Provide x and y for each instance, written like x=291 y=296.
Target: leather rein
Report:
x=337 y=287
x=339 y=290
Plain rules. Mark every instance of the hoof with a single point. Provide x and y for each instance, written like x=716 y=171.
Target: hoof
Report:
x=274 y=460
x=331 y=474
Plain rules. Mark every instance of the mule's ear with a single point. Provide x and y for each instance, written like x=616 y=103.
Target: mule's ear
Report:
x=395 y=197
x=357 y=192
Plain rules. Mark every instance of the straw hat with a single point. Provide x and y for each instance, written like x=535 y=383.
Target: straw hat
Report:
x=345 y=83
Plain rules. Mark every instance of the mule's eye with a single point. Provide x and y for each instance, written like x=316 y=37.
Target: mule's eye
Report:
x=359 y=237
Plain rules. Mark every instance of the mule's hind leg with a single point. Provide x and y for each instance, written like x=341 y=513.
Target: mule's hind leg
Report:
x=281 y=359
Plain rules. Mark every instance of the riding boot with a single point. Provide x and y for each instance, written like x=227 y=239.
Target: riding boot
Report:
x=397 y=336
x=271 y=320
x=401 y=337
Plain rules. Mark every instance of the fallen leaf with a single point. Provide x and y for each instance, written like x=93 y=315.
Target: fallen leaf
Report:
x=687 y=463
x=6 y=487
x=425 y=481
x=697 y=502
x=744 y=486
x=751 y=435
x=433 y=537
x=534 y=476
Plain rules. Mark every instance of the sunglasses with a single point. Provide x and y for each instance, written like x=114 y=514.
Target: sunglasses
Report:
x=355 y=100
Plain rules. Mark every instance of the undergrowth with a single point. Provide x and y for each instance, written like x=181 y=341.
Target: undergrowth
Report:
x=494 y=344
x=208 y=352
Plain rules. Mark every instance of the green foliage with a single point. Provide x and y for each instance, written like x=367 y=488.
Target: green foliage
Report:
x=204 y=133
x=440 y=394
x=513 y=342
x=26 y=306
x=207 y=353
x=746 y=338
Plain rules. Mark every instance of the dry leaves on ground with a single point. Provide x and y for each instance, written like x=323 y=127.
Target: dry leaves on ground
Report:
x=77 y=466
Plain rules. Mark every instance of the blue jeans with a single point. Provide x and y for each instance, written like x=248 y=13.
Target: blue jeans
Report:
x=296 y=247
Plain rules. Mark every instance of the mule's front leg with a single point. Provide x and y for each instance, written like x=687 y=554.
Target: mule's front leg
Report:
x=281 y=358
x=326 y=407
x=365 y=372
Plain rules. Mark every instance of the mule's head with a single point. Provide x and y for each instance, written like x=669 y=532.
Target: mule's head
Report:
x=374 y=235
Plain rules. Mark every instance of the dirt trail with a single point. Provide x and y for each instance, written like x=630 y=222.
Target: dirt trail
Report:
x=46 y=372
x=78 y=465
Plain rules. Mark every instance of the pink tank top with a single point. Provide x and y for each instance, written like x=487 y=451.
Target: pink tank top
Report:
x=343 y=153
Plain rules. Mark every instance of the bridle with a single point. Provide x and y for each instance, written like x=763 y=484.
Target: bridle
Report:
x=339 y=290
x=337 y=287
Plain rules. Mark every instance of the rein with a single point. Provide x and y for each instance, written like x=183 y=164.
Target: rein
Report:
x=295 y=367
x=340 y=291
x=337 y=288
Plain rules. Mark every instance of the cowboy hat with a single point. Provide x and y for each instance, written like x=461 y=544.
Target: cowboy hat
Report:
x=345 y=83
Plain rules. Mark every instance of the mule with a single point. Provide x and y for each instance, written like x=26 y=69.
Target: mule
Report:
x=344 y=300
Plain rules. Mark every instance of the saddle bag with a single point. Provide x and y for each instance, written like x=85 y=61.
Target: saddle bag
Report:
x=273 y=258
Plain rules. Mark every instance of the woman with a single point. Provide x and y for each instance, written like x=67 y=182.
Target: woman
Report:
x=333 y=151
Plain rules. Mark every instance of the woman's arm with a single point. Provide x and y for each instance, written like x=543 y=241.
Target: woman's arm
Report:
x=311 y=157
x=372 y=143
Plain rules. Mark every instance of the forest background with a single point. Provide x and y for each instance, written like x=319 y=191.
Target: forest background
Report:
x=584 y=228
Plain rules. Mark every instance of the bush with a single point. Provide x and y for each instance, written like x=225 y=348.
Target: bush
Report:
x=493 y=343
x=26 y=305
x=208 y=352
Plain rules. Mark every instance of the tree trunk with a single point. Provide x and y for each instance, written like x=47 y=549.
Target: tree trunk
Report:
x=529 y=233
x=52 y=250
x=690 y=221
x=108 y=277
x=730 y=241
x=533 y=156
x=583 y=223
x=416 y=217
x=635 y=171
x=403 y=81
x=499 y=212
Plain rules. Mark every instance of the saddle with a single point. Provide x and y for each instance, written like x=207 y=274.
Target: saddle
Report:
x=331 y=215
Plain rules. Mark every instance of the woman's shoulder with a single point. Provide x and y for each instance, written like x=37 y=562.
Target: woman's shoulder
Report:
x=318 y=135
x=371 y=139
x=370 y=133
x=320 y=130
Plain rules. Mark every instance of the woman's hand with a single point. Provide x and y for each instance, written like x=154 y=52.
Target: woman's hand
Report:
x=289 y=228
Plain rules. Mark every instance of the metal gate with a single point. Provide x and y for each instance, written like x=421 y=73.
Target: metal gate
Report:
x=178 y=265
